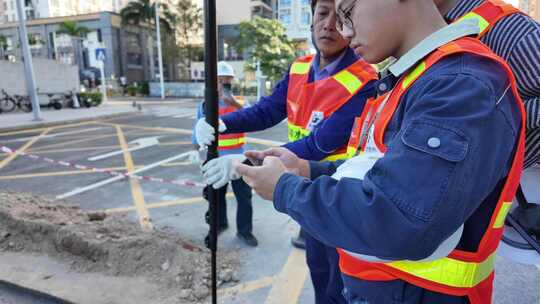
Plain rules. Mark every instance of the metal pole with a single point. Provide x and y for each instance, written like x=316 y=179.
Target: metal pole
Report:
x=28 y=67
x=211 y=112
x=160 y=55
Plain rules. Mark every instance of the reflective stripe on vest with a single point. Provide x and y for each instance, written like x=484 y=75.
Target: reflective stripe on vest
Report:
x=489 y=13
x=460 y=273
x=233 y=140
x=448 y=271
x=296 y=132
x=309 y=103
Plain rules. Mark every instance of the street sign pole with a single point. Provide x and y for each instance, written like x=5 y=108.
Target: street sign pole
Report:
x=211 y=113
x=28 y=66
x=101 y=57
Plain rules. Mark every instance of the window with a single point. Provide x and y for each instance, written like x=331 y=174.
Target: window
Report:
x=305 y=2
x=305 y=17
x=99 y=37
x=285 y=16
x=5 y=6
x=134 y=59
x=284 y=3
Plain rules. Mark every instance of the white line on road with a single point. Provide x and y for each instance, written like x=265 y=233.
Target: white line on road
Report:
x=54 y=134
x=141 y=143
x=117 y=178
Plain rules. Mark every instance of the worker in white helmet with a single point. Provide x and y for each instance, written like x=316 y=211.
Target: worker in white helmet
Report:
x=231 y=144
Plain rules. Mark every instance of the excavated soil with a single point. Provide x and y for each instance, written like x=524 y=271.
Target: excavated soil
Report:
x=96 y=242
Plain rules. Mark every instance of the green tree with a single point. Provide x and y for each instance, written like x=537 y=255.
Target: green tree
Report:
x=144 y=11
x=77 y=34
x=188 y=24
x=3 y=46
x=265 y=40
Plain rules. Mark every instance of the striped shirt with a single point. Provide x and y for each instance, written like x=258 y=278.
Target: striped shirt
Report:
x=516 y=38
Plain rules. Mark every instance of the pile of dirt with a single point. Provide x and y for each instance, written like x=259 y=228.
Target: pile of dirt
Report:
x=97 y=242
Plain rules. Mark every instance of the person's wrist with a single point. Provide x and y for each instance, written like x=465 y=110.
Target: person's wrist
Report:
x=303 y=168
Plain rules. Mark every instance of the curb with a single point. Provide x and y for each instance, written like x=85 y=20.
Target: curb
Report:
x=38 y=125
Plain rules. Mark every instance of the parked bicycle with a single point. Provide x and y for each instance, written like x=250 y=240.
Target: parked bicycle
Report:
x=9 y=103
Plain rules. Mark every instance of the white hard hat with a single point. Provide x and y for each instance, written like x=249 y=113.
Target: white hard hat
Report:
x=225 y=69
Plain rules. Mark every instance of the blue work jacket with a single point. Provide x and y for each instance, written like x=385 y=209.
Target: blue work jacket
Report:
x=415 y=197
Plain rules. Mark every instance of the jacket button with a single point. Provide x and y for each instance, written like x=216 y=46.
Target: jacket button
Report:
x=434 y=142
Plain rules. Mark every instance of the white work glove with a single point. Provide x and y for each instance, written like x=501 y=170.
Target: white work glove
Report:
x=204 y=133
x=220 y=171
x=194 y=157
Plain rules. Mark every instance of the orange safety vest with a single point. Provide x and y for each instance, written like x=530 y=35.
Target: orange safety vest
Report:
x=461 y=273
x=309 y=103
x=233 y=140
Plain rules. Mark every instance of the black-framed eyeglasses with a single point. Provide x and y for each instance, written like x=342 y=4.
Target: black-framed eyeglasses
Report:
x=344 y=19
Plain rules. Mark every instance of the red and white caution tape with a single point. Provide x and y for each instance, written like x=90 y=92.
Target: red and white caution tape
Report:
x=183 y=183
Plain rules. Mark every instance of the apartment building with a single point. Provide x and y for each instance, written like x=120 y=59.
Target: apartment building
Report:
x=57 y=8
x=296 y=17
x=130 y=49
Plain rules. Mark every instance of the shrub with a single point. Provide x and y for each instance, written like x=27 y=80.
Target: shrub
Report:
x=132 y=90
x=92 y=98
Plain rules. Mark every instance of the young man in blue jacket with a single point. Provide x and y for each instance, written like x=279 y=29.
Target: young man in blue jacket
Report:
x=419 y=214
x=320 y=96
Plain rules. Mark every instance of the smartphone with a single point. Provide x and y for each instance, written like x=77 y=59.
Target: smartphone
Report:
x=252 y=162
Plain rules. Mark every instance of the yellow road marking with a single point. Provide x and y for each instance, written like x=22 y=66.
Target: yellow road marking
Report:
x=265 y=142
x=67 y=143
x=59 y=173
x=185 y=201
x=290 y=281
x=45 y=128
x=246 y=287
x=11 y=157
x=136 y=191
x=43 y=149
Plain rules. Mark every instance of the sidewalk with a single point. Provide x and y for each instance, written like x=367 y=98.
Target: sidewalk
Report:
x=51 y=117
x=146 y=100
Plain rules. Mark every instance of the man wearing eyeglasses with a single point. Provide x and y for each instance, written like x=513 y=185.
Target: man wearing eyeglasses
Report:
x=320 y=97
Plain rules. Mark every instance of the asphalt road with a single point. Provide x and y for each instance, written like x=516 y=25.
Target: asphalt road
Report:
x=271 y=273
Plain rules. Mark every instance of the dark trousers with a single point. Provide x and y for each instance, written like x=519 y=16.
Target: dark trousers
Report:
x=244 y=211
x=399 y=292
x=323 y=263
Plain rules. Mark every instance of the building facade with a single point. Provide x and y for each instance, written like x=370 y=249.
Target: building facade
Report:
x=296 y=16
x=229 y=14
x=131 y=50
x=57 y=8
x=531 y=7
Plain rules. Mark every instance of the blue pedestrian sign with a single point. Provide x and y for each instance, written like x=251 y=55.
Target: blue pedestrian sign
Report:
x=101 y=55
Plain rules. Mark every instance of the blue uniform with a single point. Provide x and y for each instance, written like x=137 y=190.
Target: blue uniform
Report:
x=329 y=135
x=416 y=197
